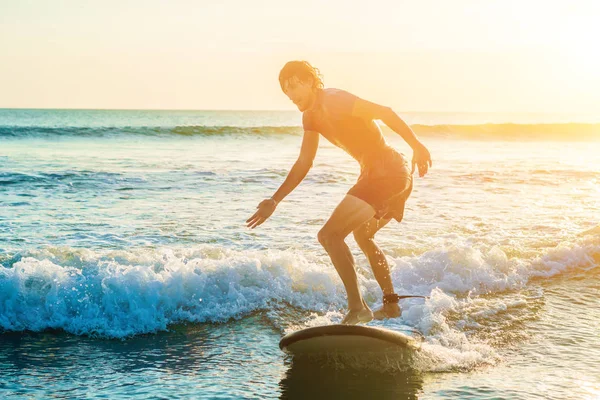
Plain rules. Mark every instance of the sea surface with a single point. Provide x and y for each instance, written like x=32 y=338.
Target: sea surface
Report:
x=126 y=269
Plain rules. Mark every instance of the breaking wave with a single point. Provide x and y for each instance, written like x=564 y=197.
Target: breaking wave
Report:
x=564 y=131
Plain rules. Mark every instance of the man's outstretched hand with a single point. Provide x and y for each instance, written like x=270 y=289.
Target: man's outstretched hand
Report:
x=265 y=209
x=421 y=159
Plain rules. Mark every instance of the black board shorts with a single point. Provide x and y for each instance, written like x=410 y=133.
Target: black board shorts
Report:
x=385 y=183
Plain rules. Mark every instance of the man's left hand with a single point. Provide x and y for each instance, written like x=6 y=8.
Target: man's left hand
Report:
x=421 y=159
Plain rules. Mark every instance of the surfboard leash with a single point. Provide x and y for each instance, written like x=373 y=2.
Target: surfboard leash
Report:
x=394 y=298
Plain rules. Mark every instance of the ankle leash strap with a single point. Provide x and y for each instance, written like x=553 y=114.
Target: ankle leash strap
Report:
x=394 y=298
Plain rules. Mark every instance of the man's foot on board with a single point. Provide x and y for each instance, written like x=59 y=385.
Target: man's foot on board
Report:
x=388 y=311
x=358 y=317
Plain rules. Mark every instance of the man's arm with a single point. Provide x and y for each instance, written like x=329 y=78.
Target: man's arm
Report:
x=369 y=111
x=310 y=144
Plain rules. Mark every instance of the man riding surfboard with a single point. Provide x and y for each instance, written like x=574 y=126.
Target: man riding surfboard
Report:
x=379 y=195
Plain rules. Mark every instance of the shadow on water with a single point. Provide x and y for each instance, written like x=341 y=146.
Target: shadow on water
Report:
x=314 y=379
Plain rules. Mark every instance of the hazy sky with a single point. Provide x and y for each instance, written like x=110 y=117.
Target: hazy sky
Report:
x=459 y=55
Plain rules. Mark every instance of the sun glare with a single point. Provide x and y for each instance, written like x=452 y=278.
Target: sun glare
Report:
x=578 y=41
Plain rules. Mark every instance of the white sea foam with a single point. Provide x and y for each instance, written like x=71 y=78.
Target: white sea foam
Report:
x=123 y=293
x=120 y=293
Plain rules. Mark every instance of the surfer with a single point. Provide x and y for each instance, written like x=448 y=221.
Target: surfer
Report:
x=379 y=195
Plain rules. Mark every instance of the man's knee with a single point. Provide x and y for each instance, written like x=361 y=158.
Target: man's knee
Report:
x=326 y=238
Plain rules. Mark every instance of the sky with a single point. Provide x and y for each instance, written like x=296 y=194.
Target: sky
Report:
x=428 y=55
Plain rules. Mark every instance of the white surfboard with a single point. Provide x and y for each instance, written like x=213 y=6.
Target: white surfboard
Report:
x=346 y=339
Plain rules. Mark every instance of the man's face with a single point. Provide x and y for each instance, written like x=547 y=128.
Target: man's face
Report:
x=299 y=92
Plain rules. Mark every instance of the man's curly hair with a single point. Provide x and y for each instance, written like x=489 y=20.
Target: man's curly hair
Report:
x=303 y=70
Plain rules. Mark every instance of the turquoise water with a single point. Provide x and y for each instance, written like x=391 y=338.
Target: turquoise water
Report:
x=126 y=268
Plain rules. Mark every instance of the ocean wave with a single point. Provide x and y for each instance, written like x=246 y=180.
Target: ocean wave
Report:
x=562 y=131
x=92 y=132
x=119 y=294
x=124 y=293
x=68 y=177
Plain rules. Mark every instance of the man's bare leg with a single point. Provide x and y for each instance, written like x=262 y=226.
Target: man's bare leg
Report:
x=351 y=213
x=364 y=236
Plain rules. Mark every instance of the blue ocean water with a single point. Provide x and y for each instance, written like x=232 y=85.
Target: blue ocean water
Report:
x=126 y=268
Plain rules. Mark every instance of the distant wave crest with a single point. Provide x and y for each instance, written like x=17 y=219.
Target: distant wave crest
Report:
x=46 y=132
x=562 y=131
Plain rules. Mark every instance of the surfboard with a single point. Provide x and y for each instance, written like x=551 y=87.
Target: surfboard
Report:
x=346 y=339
